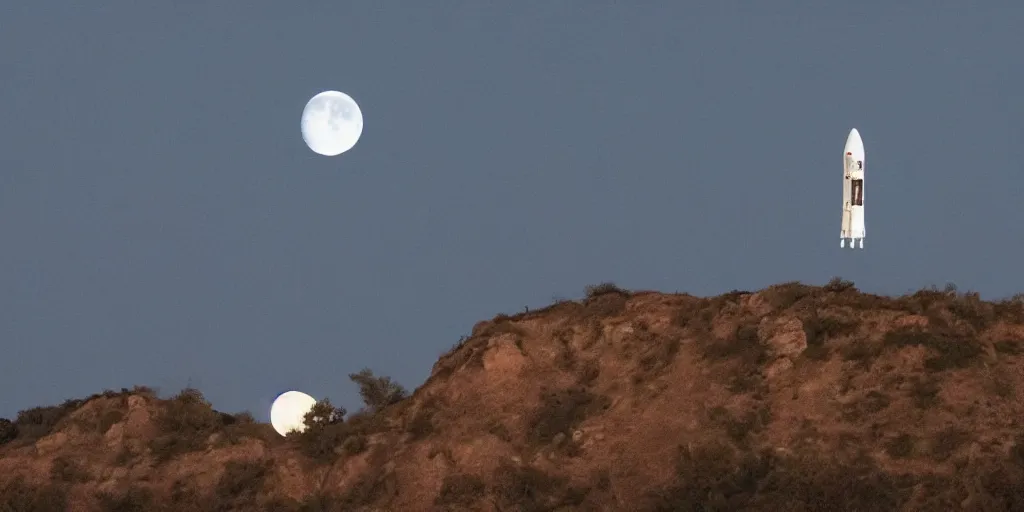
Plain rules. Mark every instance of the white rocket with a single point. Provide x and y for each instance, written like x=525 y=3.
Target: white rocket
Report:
x=853 y=191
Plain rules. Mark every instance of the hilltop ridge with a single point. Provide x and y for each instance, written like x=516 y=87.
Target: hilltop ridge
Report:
x=794 y=397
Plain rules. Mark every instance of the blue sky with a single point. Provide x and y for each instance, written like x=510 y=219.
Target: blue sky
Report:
x=164 y=224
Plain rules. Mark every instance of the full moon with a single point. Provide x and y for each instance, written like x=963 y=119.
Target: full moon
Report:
x=288 y=411
x=331 y=123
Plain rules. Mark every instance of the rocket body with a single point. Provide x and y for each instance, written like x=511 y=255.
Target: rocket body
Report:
x=853 y=191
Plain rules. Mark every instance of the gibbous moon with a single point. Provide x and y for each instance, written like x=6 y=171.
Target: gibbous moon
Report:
x=331 y=123
x=288 y=411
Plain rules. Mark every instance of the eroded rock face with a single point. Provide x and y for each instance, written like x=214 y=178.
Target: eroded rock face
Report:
x=778 y=368
x=784 y=336
x=503 y=355
x=490 y=396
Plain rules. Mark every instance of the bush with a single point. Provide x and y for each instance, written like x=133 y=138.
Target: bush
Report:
x=744 y=345
x=596 y=290
x=39 y=422
x=136 y=499
x=950 y=352
x=900 y=446
x=785 y=295
x=1008 y=347
x=64 y=470
x=839 y=285
x=819 y=329
x=715 y=477
x=185 y=422
x=377 y=392
x=8 y=430
x=241 y=483
x=18 y=496
x=528 y=488
x=561 y=411
x=422 y=424
x=697 y=315
x=948 y=441
x=925 y=392
x=970 y=308
x=325 y=431
x=460 y=489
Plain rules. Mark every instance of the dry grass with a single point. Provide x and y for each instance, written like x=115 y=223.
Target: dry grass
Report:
x=663 y=402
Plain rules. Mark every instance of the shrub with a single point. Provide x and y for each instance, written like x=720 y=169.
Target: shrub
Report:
x=185 y=422
x=354 y=444
x=970 y=308
x=460 y=489
x=925 y=393
x=528 y=488
x=38 y=422
x=743 y=345
x=561 y=411
x=325 y=431
x=950 y=352
x=948 y=441
x=595 y=290
x=739 y=429
x=900 y=446
x=8 y=430
x=241 y=482
x=377 y=392
x=715 y=477
x=1008 y=347
x=64 y=470
x=422 y=424
x=135 y=499
x=697 y=315
x=839 y=285
x=819 y=329
x=785 y=295
x=17 y=496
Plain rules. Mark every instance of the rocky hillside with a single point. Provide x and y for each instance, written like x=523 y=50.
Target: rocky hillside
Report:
x=791 y=398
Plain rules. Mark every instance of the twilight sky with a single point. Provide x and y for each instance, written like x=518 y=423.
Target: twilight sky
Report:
x=163 y=223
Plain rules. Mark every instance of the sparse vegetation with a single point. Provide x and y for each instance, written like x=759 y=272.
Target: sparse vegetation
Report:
x=785 y=295
x=38 y=422
x=604 y=303
x=528 y=488
x=821 y=329
x=949 y=352
x=66 y=470
x=596 y=290
x=900 y=446
x=8 y=430
x=421 y=425
x=790 y=433
x=186 y=423
x=562 y=410
x=18 y=496
x=461 y=489
x=135 y=499
x=839 y=285
x=377 y=392
x=241 y=483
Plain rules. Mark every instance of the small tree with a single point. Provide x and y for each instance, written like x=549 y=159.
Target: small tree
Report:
x=377 y=392
x=839 y=285
x=8 y=430
x=324 y=413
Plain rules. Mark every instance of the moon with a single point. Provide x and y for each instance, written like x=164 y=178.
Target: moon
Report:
x=331 y=123
x=288 y=411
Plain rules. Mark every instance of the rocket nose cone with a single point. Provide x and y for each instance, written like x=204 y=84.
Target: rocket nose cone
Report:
x=853 y=142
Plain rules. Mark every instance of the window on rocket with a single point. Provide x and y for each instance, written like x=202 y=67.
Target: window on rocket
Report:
x=860 y=165
x=858 y=192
